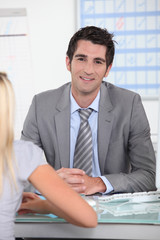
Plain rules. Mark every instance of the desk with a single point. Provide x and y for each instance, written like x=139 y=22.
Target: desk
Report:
x=113 y=223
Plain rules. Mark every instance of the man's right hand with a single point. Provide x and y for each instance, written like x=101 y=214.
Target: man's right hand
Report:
x=73 y=177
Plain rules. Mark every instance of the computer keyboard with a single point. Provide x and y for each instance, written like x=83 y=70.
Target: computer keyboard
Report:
x=137 y=197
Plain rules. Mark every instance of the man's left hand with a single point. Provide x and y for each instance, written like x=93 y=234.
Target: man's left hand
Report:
x=93 y=185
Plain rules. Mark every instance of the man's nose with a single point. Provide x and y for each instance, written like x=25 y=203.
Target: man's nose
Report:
x=89 y=69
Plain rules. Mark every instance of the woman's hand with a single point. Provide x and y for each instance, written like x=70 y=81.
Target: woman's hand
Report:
x=27 y=197
x=35 y=206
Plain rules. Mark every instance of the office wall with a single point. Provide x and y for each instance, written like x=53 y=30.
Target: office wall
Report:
x=51 y=23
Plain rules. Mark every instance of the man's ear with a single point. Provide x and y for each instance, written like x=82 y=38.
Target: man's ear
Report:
x=108 y=70
x=68 y=65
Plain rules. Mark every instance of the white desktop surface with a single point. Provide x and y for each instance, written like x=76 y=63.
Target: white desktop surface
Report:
x=102 y=231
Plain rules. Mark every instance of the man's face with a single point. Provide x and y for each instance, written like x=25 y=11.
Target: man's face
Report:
x=88 y=68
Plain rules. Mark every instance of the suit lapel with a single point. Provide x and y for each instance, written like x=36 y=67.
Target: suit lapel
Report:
x=105 y=122
x=62 y=120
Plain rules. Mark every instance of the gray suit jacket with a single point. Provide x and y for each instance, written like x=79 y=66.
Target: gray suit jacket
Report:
x=125 y=151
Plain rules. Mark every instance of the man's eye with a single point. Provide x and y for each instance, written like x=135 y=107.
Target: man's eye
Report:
x=98 y=62
x=80 y=59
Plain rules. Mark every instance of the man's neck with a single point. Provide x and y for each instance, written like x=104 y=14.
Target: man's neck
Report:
x=85 y=100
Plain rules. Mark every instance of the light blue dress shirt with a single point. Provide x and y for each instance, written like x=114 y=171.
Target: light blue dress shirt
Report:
x=74 y=128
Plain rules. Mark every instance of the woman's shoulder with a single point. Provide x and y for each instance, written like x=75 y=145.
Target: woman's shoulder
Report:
x=28 y=154
x=22 y=147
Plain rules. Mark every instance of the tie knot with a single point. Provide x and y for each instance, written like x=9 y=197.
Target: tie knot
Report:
x=85 y=113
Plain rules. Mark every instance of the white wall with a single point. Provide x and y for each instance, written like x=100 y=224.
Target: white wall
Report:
x=152 y=111
x=51 y=24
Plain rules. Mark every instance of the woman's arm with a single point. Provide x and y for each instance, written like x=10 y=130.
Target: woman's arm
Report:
x=62 y=200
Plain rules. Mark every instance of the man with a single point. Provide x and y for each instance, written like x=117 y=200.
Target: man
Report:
x=123 y=158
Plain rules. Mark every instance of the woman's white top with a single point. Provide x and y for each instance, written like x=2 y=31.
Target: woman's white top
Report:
x=27 y=158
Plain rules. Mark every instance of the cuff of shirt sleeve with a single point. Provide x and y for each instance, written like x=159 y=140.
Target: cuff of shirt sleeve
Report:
x=108 y=185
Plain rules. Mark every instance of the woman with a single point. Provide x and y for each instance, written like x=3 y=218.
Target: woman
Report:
x=21 y=162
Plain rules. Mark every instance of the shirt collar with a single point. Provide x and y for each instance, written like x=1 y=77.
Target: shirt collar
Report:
x=94 y=105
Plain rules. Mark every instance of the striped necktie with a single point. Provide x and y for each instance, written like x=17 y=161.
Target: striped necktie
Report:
x=83 y=149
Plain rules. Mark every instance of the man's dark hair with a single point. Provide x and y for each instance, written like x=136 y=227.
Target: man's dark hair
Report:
x=97 y=36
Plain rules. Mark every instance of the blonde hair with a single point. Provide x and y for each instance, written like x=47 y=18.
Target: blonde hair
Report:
x=7 y=103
